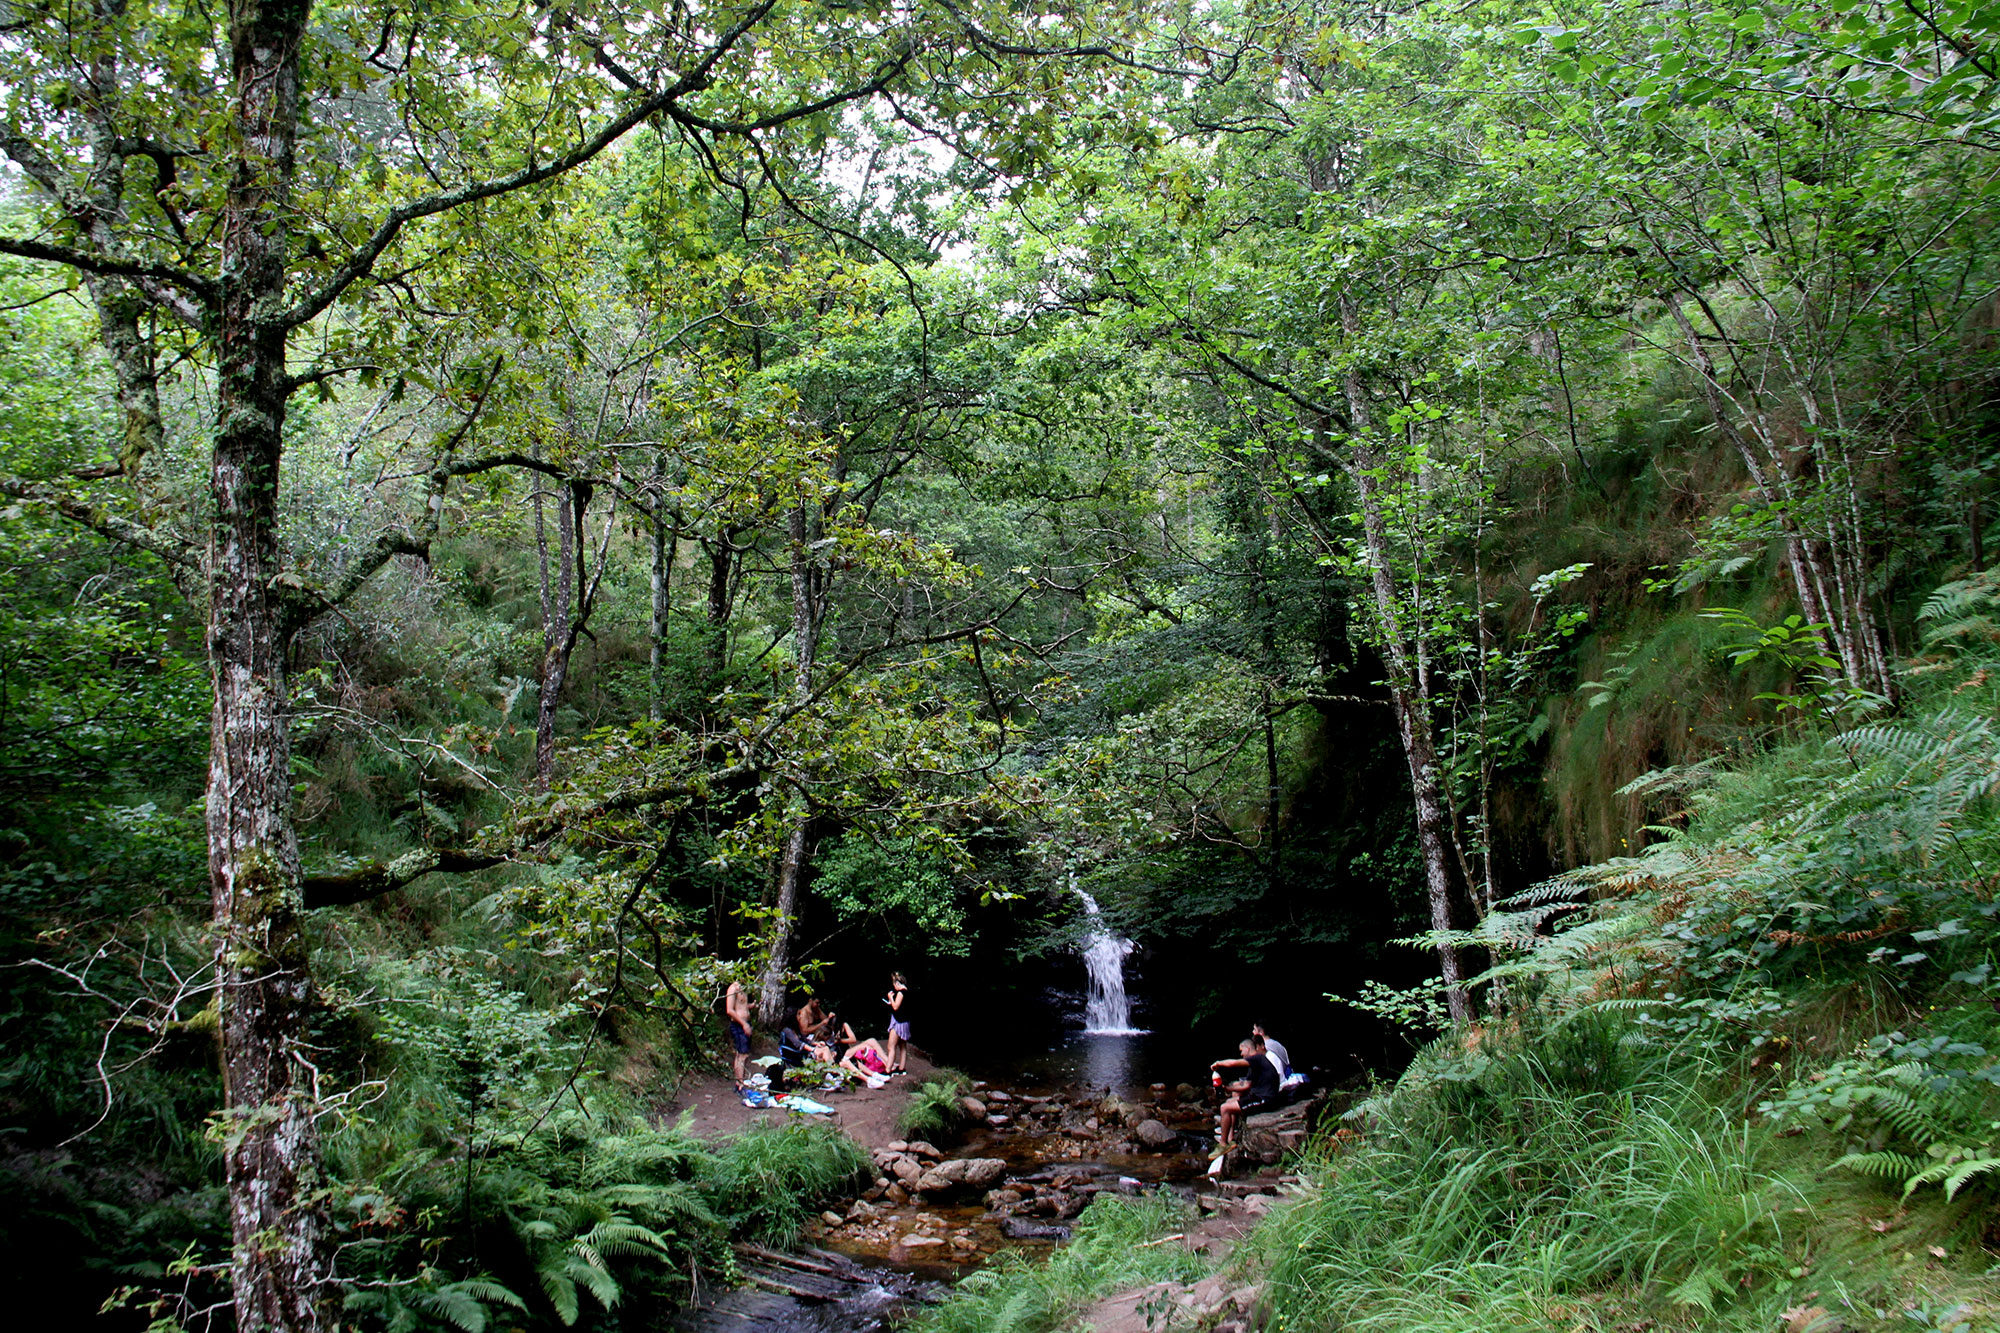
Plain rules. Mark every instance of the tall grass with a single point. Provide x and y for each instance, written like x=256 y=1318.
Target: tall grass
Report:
x=1539 y=1188
x=767 y=1181
x=1109 y=1253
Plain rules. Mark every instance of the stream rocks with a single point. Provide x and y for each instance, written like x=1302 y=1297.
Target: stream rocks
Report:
x=1081 y=1124
x=920 y=1169
x=1027 y=1171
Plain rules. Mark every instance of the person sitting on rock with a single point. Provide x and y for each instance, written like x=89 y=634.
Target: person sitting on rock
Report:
x=1275 y=1049
x=1255 y=1090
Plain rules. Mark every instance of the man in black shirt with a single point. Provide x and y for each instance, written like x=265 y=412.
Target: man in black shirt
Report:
x=1256 y=1089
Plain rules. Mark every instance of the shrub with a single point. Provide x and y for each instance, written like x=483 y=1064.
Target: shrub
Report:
x=1496 y=1188
x=933 y=1110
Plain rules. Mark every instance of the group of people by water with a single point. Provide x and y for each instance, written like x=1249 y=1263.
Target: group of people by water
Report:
x=1258 y=1078
x=1266 y=1076
x=820 y=1034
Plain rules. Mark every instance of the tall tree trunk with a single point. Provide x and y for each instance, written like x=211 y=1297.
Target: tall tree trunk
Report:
x=721 y=601
x=792 y=861
x=569 y=594
x=1407 y=688
x=662 y=589
x=557 y=617
x=271 y=1149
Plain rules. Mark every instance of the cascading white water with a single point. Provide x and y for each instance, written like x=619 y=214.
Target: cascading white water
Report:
x=1106 y=1008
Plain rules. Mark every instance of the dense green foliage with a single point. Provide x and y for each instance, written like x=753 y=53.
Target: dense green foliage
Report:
x=1308 y=476
x=1112 y=1250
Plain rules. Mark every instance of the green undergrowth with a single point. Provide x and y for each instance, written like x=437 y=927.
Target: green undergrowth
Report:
x=1110 y=1252
x=1748 y=1079
x=933 y=1109
x=767 y=1181
x=592 y=1218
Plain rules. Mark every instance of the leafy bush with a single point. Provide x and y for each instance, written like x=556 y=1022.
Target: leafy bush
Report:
x=566 y=1219
x=933 y=1110
x=1913 y=1112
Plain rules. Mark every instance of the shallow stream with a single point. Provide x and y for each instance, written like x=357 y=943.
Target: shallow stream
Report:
x=866 y=1273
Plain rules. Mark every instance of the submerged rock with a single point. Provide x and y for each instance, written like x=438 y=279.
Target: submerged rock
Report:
x=1021 y=1228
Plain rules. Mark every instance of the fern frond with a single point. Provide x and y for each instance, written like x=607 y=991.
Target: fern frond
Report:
x=491 y=1292
x=453 y=1306
x=594 y=1279
x=561 y=1291
x=1882 y=1165
x=1956 y=601
x=1903 y=1113
x=1968 y=1171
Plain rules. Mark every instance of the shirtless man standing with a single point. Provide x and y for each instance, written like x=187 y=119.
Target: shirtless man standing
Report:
x=736 y=1007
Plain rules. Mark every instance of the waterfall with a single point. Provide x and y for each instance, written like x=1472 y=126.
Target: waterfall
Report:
x=1106 y=1009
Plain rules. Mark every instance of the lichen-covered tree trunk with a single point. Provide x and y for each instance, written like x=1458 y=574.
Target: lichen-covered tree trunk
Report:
x=271 y=1153
x=1413 y=726
x=557 y=620
x=792 y=859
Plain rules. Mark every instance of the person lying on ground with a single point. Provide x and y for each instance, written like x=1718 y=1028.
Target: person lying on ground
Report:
x=867 y=1057
x=1256 y=1090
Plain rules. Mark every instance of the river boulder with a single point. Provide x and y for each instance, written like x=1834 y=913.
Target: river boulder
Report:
x=1156 y=1136
x=968 y=1173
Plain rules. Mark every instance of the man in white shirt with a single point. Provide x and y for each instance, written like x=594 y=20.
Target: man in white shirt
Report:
x=1275 y=1049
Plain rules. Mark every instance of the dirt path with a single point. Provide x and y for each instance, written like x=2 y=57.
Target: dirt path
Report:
x=868 y=1115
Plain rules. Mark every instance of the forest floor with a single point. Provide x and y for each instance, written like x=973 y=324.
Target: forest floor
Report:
x=867 y=1115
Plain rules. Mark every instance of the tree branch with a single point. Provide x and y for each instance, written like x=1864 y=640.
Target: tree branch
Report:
x=363 y=260
x=84 y=261
x=376 y=878
x=182 y=556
